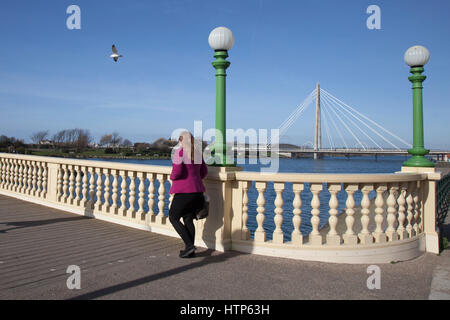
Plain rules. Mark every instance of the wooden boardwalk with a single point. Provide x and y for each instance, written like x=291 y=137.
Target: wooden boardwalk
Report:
x=37 y=244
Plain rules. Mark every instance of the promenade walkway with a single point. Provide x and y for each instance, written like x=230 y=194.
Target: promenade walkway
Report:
x=37 y=244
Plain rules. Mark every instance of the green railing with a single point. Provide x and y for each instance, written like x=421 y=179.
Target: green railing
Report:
x=443 y=200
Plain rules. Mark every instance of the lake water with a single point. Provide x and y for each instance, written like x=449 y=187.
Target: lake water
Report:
x=386 y=164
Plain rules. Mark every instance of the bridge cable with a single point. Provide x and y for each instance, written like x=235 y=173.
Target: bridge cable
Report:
x=368 y=126
x=345 y=125
x=373 y=122
x=294 y=115
x=325 y=115
x=335 y=126
x=349 y=119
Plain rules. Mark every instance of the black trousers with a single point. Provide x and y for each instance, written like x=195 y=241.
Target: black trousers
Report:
x=185 y=205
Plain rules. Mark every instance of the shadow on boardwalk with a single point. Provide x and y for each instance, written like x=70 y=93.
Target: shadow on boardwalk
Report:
x=35 y=223
x=208 y=259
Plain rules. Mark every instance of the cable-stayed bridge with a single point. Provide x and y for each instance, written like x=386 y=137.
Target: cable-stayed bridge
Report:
x=344 y=130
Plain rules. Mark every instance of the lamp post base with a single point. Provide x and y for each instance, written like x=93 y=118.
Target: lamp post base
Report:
x=418 y=161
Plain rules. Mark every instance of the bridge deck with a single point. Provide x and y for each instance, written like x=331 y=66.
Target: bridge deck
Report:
x=37 y=244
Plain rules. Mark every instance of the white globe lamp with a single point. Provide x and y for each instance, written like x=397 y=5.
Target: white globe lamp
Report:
x=221 y=38
x=417 y=56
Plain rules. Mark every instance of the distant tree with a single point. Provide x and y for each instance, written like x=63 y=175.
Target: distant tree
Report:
x=73 y=138
x=116 y=139
x=11 y=143
x=4 y=141
x=39 y=136
x=127 y=143
x=163 y=145
x=83 y=139
x=58 y=138
x=105 y=140
x=141 y=146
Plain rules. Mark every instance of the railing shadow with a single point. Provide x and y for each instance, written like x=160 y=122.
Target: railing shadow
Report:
x=29 y=224
x=207 y=259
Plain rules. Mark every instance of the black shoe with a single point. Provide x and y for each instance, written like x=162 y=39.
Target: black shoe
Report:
x=187 y=252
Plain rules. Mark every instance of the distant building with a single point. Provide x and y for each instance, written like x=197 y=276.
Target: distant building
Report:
x=46 y=142
x=94 y=145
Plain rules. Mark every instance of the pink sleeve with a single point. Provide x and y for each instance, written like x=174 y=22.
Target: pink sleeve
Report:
x=177 y=165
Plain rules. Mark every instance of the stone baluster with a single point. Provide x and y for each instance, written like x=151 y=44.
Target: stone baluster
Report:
x=115 y=191
x=401 y=211
x=132 y=196
x=123 y=193
x=59 y=191
x=39 y=179
x=78 y=186
x=350 y=238
x=11 y=175
x=3 y=175
x=30 y=178
x=151 y=197
x=65 y=182
x=84 y=191
x=2 y=172
x=19 y=178
x=315 y=238
x=107 y=193
x=141 y=200
x=6 y=186
x=378 y=234
x=410 y=215
x=71 y=198
x=161 y=218
x=245 y=234
x=260 y=234
x=8 y=174
x=296 y=235
x=391 y=212
x=16 y=175
x=34 y=179
x=21 y=183
x=417 y=216
x=98 y=203
x=23 y=187
x=364 y=235
x=19 y=175
x=278 y=236
x=333 y=238
x=44 y=180
x=90 y=203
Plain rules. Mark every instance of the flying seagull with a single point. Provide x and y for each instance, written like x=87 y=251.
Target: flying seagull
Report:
x=115 y=54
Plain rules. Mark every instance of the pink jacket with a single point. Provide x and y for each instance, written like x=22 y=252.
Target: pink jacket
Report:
x=187 y=178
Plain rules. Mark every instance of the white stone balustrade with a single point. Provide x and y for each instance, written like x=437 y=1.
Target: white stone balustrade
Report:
x=355 y=218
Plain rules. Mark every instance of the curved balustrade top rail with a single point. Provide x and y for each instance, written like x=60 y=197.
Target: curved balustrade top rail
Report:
x=92 y=163
x=330 y=177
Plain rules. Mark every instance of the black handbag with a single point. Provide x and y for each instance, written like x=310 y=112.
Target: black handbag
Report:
x=203 y=212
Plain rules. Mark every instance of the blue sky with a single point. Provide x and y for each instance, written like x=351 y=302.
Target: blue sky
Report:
x=54 y=78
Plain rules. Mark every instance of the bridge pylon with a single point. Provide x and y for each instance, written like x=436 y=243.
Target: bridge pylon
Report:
x=317 y=127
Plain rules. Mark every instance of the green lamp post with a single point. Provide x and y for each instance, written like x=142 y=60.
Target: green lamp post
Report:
x=221 y=40
x=416 y=57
